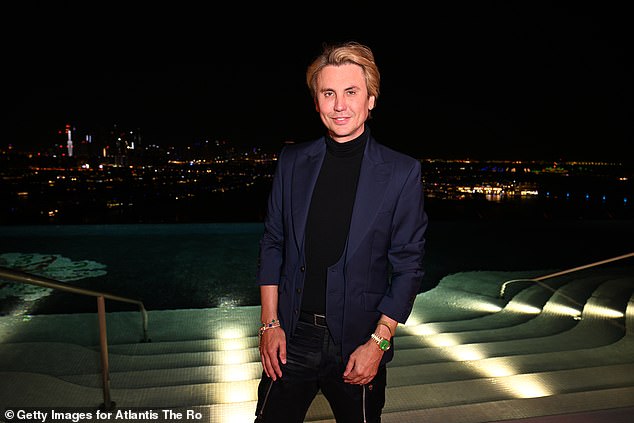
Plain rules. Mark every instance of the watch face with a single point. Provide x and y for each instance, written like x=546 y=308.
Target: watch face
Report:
x=384 y=344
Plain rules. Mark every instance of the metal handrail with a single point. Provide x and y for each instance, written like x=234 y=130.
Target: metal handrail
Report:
x=19 y=276
x=23 y=277
x=563 y=272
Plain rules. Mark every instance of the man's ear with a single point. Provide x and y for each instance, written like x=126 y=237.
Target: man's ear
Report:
x=371 y=102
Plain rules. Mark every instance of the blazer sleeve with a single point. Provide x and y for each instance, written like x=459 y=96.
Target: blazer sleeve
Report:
x=271 y=251
x=407 y=247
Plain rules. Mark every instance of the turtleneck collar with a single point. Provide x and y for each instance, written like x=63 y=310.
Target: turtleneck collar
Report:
x=348 y=148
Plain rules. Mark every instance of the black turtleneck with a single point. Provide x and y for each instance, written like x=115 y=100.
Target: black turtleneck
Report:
x=329 y=216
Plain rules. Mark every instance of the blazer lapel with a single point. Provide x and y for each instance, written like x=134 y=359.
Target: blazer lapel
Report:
x=305 y=172
x=374 y=179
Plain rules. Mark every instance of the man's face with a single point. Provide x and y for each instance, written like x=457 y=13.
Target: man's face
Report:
x=342 y=101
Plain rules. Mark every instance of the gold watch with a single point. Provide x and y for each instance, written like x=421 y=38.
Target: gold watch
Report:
x=383 y=343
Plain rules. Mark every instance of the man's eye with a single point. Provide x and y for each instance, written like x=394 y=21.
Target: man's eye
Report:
x=351 y=92
x=327 y=94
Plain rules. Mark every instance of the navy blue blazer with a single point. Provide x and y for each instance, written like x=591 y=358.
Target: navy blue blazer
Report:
x=381 y=269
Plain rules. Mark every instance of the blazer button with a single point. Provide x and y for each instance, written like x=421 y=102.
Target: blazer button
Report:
x=302 y=269
x=299 y=290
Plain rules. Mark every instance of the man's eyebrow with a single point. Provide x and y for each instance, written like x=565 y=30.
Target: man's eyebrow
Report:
x=352 y=87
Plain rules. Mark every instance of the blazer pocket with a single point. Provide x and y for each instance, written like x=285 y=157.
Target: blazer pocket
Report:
x=371 y=300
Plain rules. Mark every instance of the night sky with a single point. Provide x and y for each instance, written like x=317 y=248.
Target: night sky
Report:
x=518 y=81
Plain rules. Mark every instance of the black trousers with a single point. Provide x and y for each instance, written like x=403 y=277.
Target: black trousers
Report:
x=314 y=363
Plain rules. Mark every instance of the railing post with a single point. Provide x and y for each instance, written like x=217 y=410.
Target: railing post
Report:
x=103 y=340
x=144 y=323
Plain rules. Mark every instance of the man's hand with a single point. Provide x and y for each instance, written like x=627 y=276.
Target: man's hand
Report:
x=273 y=351
x=363 y=364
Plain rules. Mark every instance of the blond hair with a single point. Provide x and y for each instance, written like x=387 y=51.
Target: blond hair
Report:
x=349 y=52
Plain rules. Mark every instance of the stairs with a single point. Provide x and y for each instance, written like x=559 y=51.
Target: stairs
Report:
x=557 y=348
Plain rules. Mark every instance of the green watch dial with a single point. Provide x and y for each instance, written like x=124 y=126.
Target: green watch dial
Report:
x=384 y=344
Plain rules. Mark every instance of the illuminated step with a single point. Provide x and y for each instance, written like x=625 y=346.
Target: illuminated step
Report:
x=488 y=392
x=522 y=307
x=561 y=313
x=602 y=405
x=69 y=359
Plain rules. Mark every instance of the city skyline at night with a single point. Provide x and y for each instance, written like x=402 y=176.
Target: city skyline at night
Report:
x=498 y=81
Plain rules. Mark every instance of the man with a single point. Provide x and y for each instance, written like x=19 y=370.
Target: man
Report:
x=340 y=259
